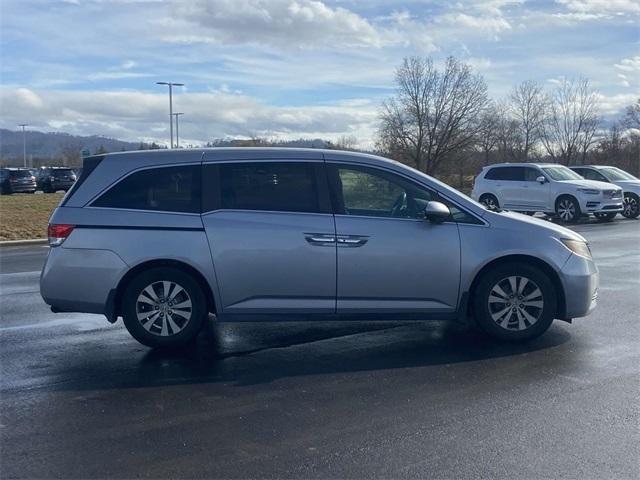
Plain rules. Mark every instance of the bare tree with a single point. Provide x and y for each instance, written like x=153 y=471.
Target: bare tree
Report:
x=632 y=117
x=527 y=103
x=71 y=153
x=509 y=140
x=488 y=132
x=571 y=121
x=434 y=113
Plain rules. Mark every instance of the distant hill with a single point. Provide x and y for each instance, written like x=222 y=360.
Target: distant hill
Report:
x=62 y=148
x=45 y=146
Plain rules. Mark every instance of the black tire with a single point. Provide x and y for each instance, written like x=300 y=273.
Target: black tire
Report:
x=158 y=330
x=47 y=189
x=605 y=217
x=485 y=306
x=631 y=205
x=568 y=209
x=490 y=201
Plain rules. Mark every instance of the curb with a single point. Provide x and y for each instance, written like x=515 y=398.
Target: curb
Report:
x=24 y=243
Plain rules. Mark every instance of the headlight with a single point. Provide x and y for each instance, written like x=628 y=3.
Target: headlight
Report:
x=589 y=191
x=577 y=246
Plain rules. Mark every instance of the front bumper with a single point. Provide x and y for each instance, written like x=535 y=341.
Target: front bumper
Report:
x=580 y=279
x=601 y=205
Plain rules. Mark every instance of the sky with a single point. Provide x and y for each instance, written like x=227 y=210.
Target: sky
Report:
x=285 y=69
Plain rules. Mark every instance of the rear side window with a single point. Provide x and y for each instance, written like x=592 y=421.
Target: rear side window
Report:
x=506 y=173
x=168 y=189
x=274 y=186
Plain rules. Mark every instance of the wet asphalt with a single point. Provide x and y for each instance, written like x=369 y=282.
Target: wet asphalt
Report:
x=80 y=398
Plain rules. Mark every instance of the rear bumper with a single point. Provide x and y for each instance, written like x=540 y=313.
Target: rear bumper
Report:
x=21 y=188
x=580 y=279
x=80 y=280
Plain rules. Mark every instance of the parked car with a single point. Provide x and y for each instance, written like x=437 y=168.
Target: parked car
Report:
x=52 y=179
x=17 y=180
x=164 y=238
x=630 y=185
x=548 y=188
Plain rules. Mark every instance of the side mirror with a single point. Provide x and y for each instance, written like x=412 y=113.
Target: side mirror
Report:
x=436 y=212
x=541 y=179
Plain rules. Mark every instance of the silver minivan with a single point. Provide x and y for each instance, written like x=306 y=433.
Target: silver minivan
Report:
x=164 y=238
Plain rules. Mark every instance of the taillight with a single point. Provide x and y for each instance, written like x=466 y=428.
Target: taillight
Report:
x=58 y=234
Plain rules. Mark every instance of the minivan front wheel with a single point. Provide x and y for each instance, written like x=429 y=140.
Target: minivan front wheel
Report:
x=515 y=302
x=164 y=307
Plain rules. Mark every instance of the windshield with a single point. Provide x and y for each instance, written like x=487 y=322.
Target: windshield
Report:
x=615 y=174
x=20 y=173
x=560 y=173
x=61 y=173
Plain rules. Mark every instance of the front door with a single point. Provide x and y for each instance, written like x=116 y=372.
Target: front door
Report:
x=389 y=258
x=535 y=194
x=272 y=236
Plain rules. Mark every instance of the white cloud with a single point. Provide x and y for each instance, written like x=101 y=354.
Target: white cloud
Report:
x=282 y=23
x=599 y=7
x=629 y=64
x=134 y=115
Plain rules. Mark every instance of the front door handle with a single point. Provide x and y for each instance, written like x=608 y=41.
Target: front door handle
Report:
x=320 y=238
x=352 y=240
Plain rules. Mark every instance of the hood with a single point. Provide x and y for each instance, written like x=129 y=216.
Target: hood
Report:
x=629 y=185
x=535 y=225
x=590 y=184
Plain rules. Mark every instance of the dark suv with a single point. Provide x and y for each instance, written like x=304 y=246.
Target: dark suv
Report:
x=17 y=180
x=56 y=178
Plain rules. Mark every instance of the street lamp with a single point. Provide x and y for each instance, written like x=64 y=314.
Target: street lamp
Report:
x=24 y=143
x=171 y=85
x=177 y=129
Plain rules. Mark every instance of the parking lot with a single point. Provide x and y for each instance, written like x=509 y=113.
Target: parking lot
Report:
x=81 y=399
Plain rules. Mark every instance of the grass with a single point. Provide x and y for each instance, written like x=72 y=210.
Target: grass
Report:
x=25 y=216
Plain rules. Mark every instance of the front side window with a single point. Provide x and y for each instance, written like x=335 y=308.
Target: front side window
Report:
x=374 y=193
x=272 y=186
x=169 y=189
x=590 y=174
x=531 y=174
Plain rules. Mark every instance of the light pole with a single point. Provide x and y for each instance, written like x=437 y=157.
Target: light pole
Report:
x=177 y=129
x=171 y=85
x=24 y=143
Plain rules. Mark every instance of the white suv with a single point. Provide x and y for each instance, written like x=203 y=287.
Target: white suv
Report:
x=548 y=188
x=630 y=185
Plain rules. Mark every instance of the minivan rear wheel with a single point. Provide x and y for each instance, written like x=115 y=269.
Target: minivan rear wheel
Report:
x=515 y=302
x=164 y=307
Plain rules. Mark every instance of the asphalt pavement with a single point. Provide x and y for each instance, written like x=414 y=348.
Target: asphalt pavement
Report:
x=79 y=398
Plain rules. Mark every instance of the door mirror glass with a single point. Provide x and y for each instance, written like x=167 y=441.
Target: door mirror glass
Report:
x=541 y=179
x=436 y=212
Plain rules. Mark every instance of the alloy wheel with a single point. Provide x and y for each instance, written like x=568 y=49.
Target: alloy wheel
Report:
x=629 y=206
x=566 y=210
x=163 y=308
x=490 y=203
x=516 y=303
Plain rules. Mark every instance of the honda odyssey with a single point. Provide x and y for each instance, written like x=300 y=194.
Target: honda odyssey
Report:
x=164 y=238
